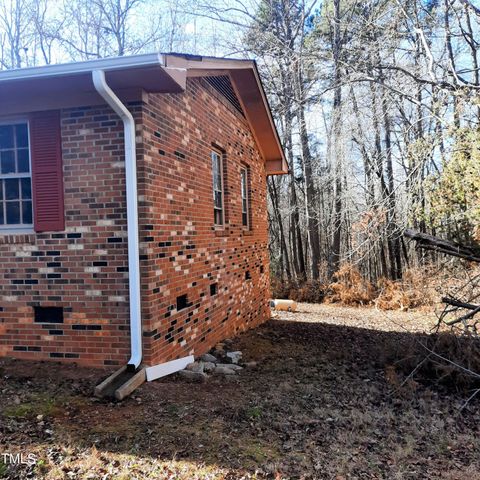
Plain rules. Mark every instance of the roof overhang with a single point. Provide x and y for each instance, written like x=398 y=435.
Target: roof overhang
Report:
x=248 y=87
x=69 y=85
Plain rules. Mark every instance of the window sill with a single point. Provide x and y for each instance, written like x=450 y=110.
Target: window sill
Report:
x=17 y=231
x=247 y=232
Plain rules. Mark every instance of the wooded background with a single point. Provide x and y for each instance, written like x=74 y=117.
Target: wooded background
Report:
x=377 y=104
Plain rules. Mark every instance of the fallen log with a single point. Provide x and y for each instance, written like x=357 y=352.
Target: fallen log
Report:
x=447 y=247
x=457 y=303
x=470 y=314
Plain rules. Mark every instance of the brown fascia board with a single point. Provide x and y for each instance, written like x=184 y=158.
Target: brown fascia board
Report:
x=248 y=87
x=70 y=85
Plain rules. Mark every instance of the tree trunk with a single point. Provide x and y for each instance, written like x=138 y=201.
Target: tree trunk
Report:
x=283 y=244
x=335 y=251
x=311 y=198
x=392 y=230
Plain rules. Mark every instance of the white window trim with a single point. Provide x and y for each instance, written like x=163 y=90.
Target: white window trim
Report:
x=23 y=228
x=244 y=168
x=218 y=226
x=15 y=230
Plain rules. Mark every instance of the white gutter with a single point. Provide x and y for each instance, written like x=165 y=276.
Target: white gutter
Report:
x=73 y=68
x=121 y=110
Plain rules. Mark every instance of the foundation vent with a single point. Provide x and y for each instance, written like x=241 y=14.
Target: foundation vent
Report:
x=48 y=314
x=182 y=302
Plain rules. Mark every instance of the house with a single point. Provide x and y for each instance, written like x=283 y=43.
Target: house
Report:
x=133 y=218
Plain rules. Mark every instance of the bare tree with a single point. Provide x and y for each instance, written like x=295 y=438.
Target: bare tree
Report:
x=16 y=32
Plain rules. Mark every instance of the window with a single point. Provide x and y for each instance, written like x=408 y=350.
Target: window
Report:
x=15 y=178
x=245 y=198
x=217 y=171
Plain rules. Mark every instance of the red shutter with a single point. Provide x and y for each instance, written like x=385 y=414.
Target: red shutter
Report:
x=47 y=173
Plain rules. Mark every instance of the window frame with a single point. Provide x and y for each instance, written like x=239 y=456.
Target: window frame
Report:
x=220 y=155
x=244 y=170
x=19 y=228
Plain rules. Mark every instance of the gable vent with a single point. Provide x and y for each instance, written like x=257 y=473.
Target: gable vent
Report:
x=223 y=85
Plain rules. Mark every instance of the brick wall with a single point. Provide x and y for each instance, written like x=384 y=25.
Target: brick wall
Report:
x=183 y=253
x=84 y=269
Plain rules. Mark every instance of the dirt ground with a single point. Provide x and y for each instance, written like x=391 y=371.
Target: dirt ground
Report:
x=324 y=402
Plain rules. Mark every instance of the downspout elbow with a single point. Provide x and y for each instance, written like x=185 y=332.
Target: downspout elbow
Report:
x=101 y=86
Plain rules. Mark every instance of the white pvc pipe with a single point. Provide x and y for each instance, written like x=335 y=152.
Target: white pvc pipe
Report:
x=121 y=110
x=285 y=305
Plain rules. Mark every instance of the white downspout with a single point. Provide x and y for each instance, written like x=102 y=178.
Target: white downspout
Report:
x=121 y=110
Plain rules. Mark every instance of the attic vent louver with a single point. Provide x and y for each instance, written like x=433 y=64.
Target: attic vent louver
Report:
x=223 y=85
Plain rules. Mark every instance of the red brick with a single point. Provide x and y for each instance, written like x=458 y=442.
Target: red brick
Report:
x=175 y=195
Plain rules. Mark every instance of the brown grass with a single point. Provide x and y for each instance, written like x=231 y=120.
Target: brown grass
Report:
x=310 y=291
x=454 y=364
x=327 y=400
x=350 y=288
x=413 y=291
x=419 y=288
